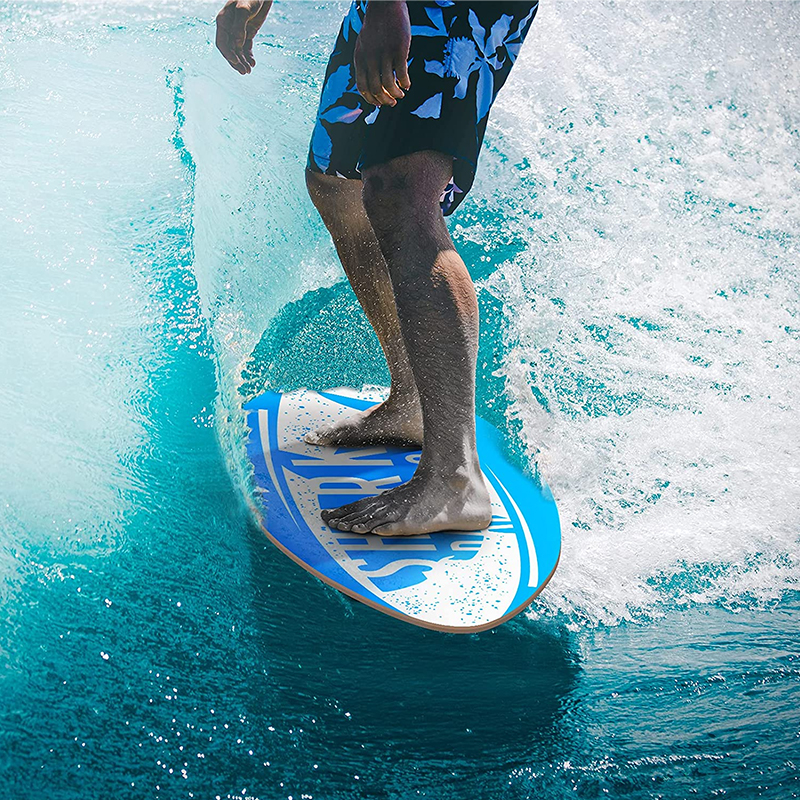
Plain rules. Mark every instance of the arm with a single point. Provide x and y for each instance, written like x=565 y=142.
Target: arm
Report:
x=237 y=23
x=381 y=52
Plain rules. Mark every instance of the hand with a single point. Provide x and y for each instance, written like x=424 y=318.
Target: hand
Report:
x=237 y=23
x=381 y=53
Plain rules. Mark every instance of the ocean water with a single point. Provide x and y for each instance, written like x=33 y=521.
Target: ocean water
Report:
x=633 y=234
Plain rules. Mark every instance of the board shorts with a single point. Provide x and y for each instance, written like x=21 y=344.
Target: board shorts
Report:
x=461 y=55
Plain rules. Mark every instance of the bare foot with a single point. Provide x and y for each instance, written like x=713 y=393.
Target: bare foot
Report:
x=423 y=505
x=389 y=423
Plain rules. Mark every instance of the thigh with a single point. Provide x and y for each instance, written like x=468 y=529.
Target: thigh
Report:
x=339 y=203
x=413 y=179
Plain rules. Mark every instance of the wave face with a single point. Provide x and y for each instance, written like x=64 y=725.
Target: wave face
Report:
x=633 y=236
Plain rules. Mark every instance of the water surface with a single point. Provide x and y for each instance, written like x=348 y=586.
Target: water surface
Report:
x=634 y=237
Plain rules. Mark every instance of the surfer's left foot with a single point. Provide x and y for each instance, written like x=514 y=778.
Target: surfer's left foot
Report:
x=423 y=505
x=392 y=422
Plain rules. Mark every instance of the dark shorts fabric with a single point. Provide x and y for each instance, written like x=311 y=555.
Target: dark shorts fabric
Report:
x=461 y=54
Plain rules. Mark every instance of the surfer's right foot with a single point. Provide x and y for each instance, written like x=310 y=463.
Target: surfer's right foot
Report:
x=426 y=504
x=389 y=423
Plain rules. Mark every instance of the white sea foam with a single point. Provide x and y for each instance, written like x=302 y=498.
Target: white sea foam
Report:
x=643 y=154
x=654 y=311
x=89 y=175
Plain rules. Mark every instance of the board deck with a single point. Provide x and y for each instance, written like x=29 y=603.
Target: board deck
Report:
x=461 y=582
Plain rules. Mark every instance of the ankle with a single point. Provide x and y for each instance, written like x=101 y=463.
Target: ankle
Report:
x=403 y=401
x=458 y=475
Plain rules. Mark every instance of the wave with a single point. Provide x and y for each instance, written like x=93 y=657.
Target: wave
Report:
x=637 y=277
x=632 y=232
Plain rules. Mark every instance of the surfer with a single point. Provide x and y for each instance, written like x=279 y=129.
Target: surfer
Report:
x=400 y=124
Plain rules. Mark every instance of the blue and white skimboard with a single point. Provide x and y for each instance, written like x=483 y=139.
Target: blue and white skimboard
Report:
x=457 y=581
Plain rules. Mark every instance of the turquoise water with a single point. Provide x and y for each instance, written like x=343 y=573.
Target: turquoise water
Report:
x=634 y=237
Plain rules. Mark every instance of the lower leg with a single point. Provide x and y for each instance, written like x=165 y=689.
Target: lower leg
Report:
x=399 y=419
x=438 y=316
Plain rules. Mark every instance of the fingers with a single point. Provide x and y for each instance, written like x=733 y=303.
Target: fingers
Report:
x=401 y=70
x=238 y=34
x=229 y=39
x=237 y=24
x=224 y=42
x=388 y=81
x=364 y=78
x=377 y=89
x=248 y=52
x=376 y=82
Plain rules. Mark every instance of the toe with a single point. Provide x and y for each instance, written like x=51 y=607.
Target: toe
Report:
x=361 y=514
x=389 y=529
x=354 y=522
x=319 y=436
x=329 y=514
x=381 y=518
x=344 y=517
x=339 y=525
x=335 y=521
x=362 y=527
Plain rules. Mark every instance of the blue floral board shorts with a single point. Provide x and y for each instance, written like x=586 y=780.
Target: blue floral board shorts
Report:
x=461 y=54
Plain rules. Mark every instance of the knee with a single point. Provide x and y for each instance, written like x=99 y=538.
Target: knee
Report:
x=338 y=200
x=380 y=202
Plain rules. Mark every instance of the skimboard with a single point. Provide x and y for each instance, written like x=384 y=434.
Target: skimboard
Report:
x=460 y=581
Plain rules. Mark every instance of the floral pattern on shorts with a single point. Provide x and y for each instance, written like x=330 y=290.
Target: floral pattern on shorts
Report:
x=461 y=55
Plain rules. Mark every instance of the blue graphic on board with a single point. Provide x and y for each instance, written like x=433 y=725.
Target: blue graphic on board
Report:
x=396 y=567
x=450 y=580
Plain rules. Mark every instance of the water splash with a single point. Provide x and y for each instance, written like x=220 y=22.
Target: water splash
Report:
x=653 y=354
